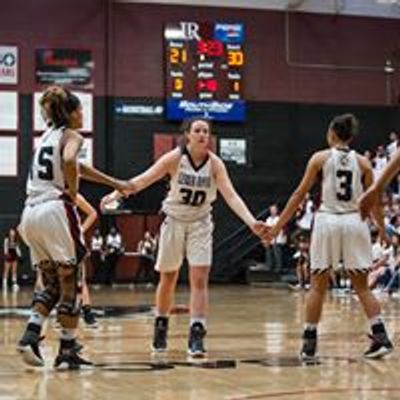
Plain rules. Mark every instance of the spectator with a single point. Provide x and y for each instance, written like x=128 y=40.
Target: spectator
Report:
x=11 y=254
x=302 y=262
x=97 y=256
x=305 y=216
x=274 y=252
x=393 y=144
x=379 y=161
x=147 y=248
x=114 y=249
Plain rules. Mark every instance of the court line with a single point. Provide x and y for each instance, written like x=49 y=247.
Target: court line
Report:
x=313 y=391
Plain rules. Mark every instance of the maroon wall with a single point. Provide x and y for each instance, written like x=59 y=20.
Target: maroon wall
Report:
x=314 y=39
x=59 y=24
x=136 y=62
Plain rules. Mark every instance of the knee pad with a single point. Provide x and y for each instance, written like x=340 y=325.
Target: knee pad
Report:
x=47 y=298
x=69 y=293
x=68 y=309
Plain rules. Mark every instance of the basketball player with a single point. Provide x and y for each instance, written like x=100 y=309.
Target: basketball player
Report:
x=51 y=228
x=372 y=196
x=339 y=234
x=195 y=176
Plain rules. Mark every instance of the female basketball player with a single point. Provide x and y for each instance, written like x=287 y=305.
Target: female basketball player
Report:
x=11 y=254
x=339 y=234
x=196 y=174
x=51 y=228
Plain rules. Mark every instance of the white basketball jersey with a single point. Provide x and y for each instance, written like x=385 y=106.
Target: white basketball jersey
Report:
x=341 y=182
x=192 y=190
x=46 y=177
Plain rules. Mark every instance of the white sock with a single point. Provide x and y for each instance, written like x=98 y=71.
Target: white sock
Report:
x=201 y=320
x=308 y=326
x=67 y=334
x=36 y=318
x=376 y=320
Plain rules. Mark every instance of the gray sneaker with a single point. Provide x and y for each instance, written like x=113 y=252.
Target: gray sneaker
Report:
x=28 y=347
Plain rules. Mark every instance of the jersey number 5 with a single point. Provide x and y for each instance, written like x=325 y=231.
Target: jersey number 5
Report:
x=345 y=190
x=45 y=171
x=193 y=198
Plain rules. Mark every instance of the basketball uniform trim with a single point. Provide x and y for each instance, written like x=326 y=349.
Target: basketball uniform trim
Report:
x=74 y=227
x=197 y=168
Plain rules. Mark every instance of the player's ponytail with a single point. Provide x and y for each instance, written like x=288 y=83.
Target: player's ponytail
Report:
x=345 y=126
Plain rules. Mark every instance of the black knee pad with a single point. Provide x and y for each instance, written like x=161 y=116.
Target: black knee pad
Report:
x=47 y=298
x=68 y=309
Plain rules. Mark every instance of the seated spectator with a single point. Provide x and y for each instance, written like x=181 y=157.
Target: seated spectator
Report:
x=97 y=256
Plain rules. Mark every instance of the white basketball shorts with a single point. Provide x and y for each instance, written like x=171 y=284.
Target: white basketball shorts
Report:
x=53 y=232
x=178 y=240
x=340 y=238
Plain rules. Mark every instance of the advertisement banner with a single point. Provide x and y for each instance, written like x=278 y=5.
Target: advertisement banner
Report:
x=8 y=65
x=67 y=67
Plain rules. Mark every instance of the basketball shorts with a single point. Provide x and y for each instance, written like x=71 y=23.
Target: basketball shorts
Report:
x=53 y=232
x=179 y=239
x=340 y=239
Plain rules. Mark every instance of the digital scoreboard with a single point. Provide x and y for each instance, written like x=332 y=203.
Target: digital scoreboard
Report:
x=204 y=70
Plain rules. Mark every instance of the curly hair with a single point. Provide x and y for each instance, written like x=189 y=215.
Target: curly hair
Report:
x=57 y=104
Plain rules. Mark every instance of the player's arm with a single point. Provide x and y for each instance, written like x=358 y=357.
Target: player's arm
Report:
x=298 y=196
x=377 y=209
x=88 y=210
x=232 y=198
x=163 y=166
x=372 y=196
x=94 y=175
x=70 y=147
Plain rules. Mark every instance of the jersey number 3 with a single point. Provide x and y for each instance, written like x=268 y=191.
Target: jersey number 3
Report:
x=193 y=198
x=344 y=186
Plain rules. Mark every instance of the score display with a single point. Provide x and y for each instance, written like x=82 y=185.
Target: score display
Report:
x=204 y=70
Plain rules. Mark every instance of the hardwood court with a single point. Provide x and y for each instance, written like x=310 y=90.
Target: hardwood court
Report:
x=253 y=343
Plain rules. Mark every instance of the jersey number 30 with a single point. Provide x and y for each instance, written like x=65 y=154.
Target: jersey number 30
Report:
x=193 y=198
x=344 y=186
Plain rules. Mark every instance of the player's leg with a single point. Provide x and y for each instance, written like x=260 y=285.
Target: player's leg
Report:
x=68 y=317
x=43 y=302
x=169 y=259
x=357 y=258
x=380 y=342
x=6 y=272
x=199 y=254
x=324 y=252
x=88 y=315
x=198 y=275
x=314 y=302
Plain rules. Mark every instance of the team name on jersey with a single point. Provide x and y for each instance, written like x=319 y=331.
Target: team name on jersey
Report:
x=194 y=180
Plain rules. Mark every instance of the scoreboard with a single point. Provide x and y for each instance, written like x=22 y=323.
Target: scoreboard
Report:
x=204 y=70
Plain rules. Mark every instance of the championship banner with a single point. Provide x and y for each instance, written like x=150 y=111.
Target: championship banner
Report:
x=67 y=67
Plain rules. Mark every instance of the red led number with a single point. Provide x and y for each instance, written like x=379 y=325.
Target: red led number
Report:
x=210 y=48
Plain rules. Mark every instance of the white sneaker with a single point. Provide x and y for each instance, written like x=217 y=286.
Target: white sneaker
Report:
x=15 y=287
